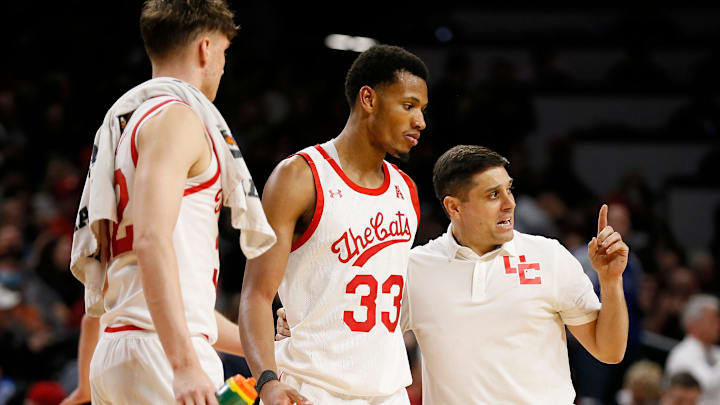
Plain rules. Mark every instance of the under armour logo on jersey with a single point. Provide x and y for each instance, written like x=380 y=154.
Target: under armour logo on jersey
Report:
x=528 y=273
x=398 y=193
x=333 y=194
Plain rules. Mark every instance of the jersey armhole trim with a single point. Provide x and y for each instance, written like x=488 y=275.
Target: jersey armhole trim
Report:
x=210 y=182
x=133 y=146
x=319 y=204
x=413 y=192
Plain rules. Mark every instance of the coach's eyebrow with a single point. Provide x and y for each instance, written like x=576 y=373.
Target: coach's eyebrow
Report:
x=497 y=186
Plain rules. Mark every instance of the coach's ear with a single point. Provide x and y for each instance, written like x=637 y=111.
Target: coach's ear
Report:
x=452 y=206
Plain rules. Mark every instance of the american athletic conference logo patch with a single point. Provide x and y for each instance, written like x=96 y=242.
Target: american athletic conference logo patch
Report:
x=374 y=238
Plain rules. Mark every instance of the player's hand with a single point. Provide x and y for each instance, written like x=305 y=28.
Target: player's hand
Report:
x=283 y=329
x=81 y=395
x=192 y=386
x=278 y=393
x=607 y=251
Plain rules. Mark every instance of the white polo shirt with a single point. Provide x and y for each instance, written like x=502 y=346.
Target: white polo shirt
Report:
x=491 y=327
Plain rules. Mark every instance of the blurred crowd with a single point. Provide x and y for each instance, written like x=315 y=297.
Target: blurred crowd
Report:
x=278 y=104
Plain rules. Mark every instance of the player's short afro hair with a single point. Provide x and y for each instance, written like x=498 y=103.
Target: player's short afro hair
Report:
x=379 y=65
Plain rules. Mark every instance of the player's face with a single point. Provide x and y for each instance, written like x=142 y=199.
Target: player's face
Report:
x=399 y=117
x=486 y=217
x=215 y=68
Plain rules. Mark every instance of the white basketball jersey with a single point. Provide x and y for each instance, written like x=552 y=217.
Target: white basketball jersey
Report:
x=195 y=239
x=344 y=282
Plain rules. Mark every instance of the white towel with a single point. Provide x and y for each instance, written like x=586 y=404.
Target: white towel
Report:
x=98 y=197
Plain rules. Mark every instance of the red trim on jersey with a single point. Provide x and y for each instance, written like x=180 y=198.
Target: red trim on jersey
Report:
x=319 y=204
x=369 y=191
x=122 y=328
x=133 y=148
x=122 y=135
x=209 y=183
x=111 y=329
x=413 y=192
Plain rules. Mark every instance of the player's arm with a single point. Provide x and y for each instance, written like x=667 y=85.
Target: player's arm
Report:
x=89 y=331
x=170 y=146
x=606 y=337
x=288 y=194
x=228 y=340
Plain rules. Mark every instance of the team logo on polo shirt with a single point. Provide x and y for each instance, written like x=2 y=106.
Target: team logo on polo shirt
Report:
x=378 y=235
x=528 y=273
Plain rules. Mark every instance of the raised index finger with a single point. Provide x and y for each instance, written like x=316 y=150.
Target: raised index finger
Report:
x=602 y=218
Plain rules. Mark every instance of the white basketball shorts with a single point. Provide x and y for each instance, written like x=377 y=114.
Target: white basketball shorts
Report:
x=130 y=367
x=320 y=396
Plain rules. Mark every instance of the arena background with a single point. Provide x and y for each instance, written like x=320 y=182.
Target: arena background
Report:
x=591 y=105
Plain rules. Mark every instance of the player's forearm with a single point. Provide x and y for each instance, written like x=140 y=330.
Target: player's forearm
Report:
x=256 y=331
x=611 y=331
x=228 y=337
x=161 y=287
x=89 y=331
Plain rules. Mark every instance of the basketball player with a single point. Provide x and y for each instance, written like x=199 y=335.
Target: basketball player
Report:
x=159 y=326
x=345 y=221
x=489 y=305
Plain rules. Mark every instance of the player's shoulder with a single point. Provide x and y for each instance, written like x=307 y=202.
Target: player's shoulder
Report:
x=294 y=166
x=291 y=180
x=172 y=118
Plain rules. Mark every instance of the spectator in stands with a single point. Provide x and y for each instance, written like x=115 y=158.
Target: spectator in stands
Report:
x=702 y=264
x=683 y=389
x=642 y=385
x=677 y=285
x=697 y=353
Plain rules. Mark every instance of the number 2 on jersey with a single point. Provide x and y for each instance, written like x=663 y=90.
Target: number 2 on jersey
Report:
x=369 y=302
x=122 y=245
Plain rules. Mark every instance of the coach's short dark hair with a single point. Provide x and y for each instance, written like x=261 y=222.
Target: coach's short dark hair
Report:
x=380 y=65
x=166 y=25
x=453 y=171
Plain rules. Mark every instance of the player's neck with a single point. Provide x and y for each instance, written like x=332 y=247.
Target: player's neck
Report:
x=177 y=71
x=355 y=150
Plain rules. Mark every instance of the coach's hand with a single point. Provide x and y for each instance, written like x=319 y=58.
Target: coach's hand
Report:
x=192 y=386
x=282 y=327
x=278 y=393
x=607 y=251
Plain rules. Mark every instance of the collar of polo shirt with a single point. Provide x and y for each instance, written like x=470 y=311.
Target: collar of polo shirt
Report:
x=458 y=251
